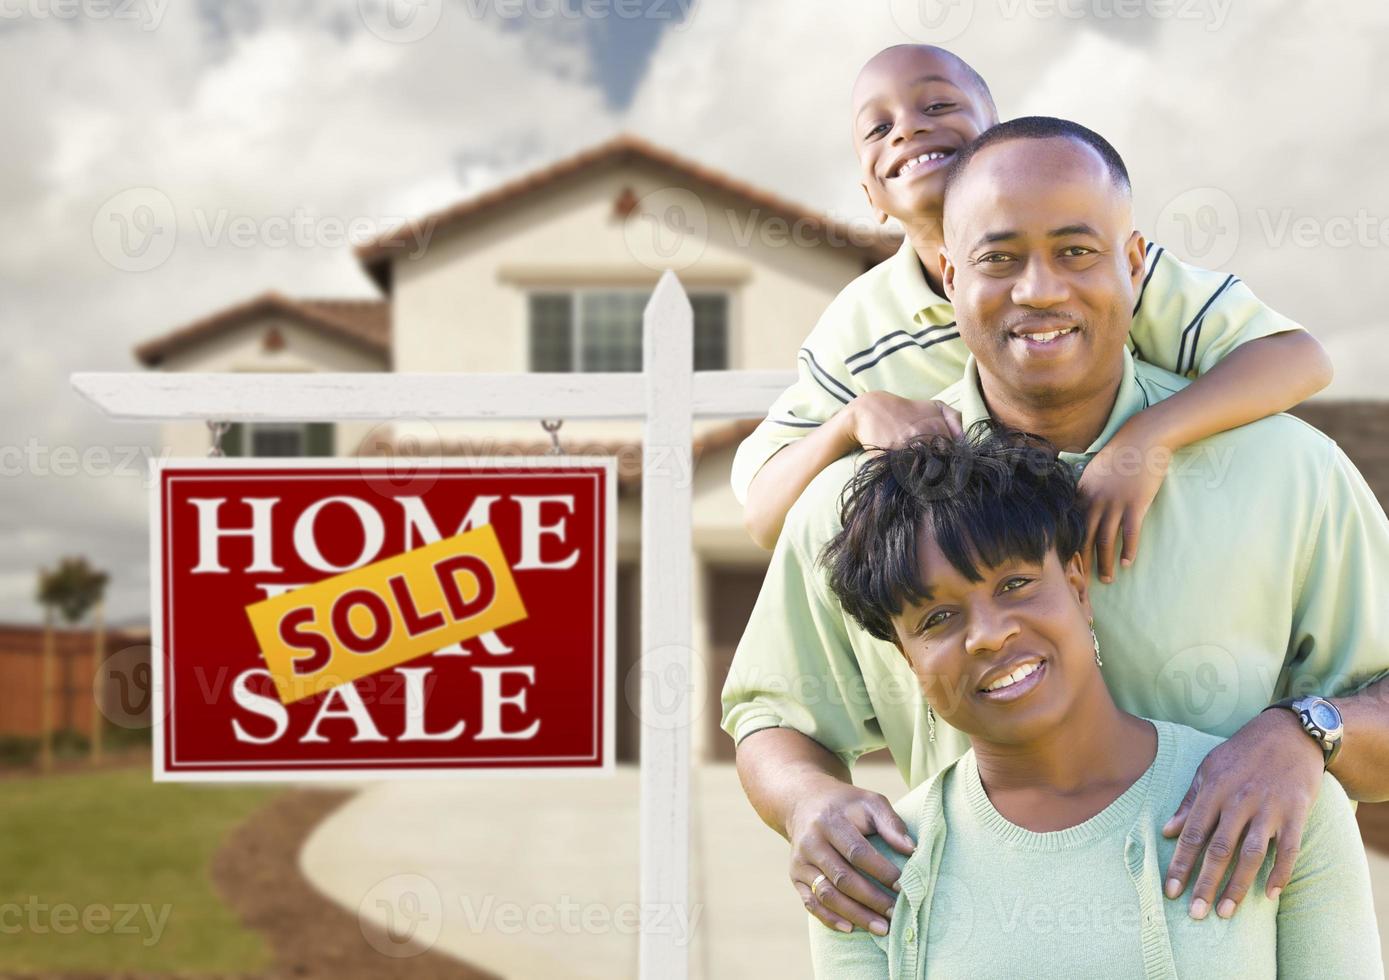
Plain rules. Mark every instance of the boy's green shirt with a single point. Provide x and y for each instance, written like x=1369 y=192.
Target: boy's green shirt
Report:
x=1262 y=574
x=887 y=331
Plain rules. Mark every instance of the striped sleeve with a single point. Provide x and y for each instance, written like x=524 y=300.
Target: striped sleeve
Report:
x=823 y=386
x=1187 y=319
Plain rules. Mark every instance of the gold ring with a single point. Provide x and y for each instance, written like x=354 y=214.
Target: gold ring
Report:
x=815 y=885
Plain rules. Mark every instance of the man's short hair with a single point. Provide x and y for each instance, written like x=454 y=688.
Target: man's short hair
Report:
x=1039 y=128
x=993 y=496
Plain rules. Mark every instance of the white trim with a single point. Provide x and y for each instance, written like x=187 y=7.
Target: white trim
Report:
x=666 y=622
x=540 y=277
x=331 y=397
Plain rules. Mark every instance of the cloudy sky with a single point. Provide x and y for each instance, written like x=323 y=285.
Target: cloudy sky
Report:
x=1256 y=131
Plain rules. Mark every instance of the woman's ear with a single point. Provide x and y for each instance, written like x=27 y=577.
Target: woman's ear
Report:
x=1079 y=581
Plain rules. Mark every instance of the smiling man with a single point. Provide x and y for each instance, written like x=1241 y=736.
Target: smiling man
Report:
x=1262 y=574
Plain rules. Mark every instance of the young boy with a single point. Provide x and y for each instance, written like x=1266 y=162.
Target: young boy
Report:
x=887 y=344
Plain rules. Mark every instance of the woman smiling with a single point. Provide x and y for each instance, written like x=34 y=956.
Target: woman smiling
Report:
x=1039 y=852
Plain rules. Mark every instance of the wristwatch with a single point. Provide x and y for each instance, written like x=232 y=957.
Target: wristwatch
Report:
x=1321 y=719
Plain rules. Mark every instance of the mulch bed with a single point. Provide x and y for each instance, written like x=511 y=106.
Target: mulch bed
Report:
x=257 y=871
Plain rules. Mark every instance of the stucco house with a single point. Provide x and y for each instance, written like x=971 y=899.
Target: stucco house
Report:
x=550 y=272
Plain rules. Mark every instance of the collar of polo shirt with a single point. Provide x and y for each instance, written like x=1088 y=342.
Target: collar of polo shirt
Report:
x=1130 y=400
x=909 y=285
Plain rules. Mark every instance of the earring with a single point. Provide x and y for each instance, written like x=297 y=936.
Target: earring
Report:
x=931 y=722
x=1098 y=661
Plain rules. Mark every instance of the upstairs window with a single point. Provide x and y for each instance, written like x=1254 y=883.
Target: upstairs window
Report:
x=601 y=330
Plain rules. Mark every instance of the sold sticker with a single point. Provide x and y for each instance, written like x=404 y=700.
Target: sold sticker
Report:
x=372 y=618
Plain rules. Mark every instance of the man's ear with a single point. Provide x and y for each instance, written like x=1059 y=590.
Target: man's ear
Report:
x=878 y=213
x=947 y=274
x=1078 y=578
x=1136 y=251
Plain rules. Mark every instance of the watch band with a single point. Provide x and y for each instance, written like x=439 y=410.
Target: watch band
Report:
x=1330 y=748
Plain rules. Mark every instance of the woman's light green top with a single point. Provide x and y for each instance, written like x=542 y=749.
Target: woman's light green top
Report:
x=982 y=897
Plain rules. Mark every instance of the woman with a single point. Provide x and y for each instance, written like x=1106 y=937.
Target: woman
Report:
x=1039 y=852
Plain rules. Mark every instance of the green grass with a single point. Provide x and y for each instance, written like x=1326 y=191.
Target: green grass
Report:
x=96 y=841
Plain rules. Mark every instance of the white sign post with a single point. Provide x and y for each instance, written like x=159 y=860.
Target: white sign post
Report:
x=668 y=396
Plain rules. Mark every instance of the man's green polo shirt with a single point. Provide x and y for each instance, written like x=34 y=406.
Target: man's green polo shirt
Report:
x=1262 y=573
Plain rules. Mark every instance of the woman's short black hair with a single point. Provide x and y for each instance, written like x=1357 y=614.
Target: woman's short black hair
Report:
x=994 y=496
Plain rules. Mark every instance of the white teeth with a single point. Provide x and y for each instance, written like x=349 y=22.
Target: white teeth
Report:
x=1050 y=335
x=914 y=162
x=1010 y=679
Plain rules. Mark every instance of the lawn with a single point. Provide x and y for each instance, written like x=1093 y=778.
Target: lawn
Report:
x=108 y=871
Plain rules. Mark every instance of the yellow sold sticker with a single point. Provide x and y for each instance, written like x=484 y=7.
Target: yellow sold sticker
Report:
x=383 y=614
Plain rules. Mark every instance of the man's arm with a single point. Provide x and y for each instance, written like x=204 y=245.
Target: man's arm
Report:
x=1362 y=766
x=1340 y=641
x=1261 y=783
x=796 y=703
x=805 y=793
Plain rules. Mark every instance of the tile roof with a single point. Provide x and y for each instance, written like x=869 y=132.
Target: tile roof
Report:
x=376 y=255
x=364 y=323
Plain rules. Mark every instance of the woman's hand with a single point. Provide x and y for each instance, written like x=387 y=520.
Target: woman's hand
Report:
x=882 y=420
x=828 y=832
x=1119 y=485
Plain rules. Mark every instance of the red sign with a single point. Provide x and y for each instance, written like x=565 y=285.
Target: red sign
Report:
x=516 y=559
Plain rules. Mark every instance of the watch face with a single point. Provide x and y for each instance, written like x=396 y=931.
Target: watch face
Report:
x=1325 y=716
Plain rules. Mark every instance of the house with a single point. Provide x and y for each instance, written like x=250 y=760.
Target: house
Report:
x=550 y=272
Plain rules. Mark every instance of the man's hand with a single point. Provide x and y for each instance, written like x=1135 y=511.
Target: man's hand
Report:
x=1257 y=786
x=1119 y=485
x=828 y=832
x=881 y=420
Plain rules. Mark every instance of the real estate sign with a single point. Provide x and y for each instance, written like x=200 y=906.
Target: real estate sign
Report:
x=332 y=619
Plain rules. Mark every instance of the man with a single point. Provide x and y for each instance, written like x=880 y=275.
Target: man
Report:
x=1262 y=576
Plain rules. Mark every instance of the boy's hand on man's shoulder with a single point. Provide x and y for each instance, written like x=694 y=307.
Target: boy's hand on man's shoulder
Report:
x=882 y=420
x=1119 y=485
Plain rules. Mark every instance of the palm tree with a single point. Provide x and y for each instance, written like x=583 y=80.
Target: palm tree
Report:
x=70 y=591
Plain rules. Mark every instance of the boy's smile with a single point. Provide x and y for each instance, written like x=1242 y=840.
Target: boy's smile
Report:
x=915 y=107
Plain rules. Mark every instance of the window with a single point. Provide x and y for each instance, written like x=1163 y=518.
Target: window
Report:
x=600 y=330
x=710 y=331
x=277 y=439
x=273 y=439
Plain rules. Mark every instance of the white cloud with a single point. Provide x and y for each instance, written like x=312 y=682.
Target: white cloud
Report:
x=277 y=116
x=270 y=107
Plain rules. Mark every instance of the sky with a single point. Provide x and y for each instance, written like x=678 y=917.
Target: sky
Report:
x=1256 y=134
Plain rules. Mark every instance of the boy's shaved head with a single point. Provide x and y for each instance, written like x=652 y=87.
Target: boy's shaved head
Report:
x=902 y=56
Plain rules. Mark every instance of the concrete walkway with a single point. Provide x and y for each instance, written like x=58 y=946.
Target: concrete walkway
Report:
x=538 y=877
